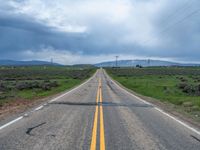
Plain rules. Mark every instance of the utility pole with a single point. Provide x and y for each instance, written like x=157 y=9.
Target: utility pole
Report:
x=51 y=61
x=148 y=61
x=116 y=61
x=132 y=63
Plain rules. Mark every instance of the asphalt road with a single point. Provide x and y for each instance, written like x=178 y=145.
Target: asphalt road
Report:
x=97 y=115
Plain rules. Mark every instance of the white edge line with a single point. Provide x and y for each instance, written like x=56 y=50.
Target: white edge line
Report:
x=158 y=109
x=11 y=122
x=40 y=107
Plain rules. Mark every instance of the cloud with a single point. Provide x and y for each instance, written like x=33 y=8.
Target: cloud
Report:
x=98 y=28
x=67 y=57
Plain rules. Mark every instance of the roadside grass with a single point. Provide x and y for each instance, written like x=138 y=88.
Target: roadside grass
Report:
x=64 y=84
x=162 y=87
x=31 y=83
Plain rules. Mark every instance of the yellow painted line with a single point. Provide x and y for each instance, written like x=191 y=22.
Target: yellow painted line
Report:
x=94 y=131
x=97 y=97
x=102 y=136
x=95 y=124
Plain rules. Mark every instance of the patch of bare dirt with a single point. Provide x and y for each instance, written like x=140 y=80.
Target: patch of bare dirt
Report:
x=15 y=106
x=21 y=105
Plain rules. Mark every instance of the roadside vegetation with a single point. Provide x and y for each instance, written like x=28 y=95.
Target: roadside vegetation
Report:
x=30 y=83
x=179 y=86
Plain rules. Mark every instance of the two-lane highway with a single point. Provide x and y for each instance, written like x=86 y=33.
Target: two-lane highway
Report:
x=98 y=115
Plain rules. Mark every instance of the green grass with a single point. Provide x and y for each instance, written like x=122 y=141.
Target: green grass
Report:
x=38 y=93
x=164 y=89
x=160 y=87
x=11 y=79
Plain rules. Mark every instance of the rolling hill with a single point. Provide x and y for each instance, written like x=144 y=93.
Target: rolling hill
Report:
x=26 y=63
x=144 y=63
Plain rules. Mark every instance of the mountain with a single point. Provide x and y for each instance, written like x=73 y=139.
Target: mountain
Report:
x=26 y=63
x=144 y=63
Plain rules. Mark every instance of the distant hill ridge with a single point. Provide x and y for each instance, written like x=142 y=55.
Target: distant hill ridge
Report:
x=144 y=63
x=26 y=63
x=121 y=63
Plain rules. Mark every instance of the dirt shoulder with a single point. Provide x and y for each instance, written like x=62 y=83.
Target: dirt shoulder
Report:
x=21 y=105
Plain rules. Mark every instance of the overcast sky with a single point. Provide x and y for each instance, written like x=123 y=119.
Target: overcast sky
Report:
x=90 y=31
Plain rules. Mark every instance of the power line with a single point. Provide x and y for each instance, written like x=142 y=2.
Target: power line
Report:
x=174 y=14
x=183 y=19
x=169 y=27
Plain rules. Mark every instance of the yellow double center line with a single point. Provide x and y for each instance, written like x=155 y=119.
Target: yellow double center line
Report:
x=95 y=125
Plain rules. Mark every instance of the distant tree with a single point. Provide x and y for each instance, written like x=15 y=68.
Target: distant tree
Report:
x=138 y=66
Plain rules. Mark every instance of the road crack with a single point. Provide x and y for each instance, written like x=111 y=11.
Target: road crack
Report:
x=29 y=130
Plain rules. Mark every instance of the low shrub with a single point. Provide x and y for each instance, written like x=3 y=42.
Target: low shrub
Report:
x=190 y=89
x=3 y=87
x=182 y=85
x=21 y=86
x=45 y=85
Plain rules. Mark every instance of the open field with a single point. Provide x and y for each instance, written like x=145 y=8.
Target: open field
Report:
x=177 y=86
x=97 y=115
x=28 y=83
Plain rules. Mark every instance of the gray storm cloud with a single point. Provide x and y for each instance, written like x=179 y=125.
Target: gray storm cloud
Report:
x=88 y=29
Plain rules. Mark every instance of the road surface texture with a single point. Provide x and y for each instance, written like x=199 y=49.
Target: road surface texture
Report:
x=97 y=115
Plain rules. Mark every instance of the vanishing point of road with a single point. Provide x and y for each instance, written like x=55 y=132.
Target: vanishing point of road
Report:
x=101 y=115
